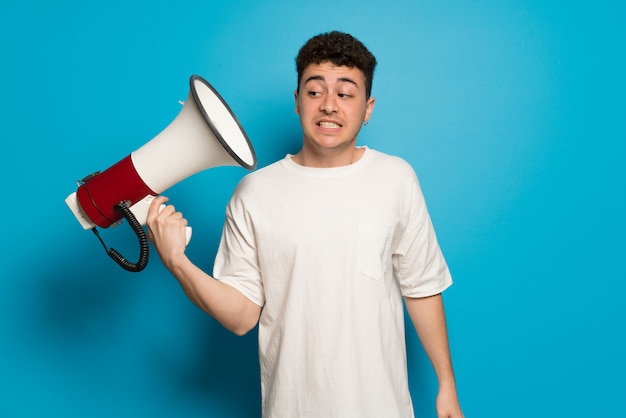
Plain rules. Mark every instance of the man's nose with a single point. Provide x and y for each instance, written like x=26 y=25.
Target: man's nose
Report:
x=329 y=104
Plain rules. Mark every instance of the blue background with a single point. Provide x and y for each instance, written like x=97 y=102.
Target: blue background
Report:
x=513 y=114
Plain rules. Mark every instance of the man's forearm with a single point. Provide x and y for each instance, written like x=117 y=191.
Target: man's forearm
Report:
x=428 y=317
x=223 y=302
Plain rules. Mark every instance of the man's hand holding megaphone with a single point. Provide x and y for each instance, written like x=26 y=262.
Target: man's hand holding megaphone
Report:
x=168 y=231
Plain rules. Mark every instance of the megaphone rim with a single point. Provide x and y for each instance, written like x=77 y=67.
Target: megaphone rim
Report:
x=218 y=135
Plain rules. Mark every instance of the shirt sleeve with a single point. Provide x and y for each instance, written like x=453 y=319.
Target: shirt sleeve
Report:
x=419 y=264
x=236 y=261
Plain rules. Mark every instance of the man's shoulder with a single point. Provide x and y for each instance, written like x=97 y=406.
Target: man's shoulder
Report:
x=261 y=177
x=269 y=170
x=391 y=163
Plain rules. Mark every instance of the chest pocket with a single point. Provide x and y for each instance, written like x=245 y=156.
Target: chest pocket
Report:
x=374 y=249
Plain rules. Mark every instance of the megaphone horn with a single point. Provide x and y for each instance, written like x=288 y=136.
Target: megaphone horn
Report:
x=203 y=135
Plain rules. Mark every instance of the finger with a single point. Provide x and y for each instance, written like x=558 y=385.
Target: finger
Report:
x=166 y=211
x=176 y=216
x=153 y=209
x=157 y=202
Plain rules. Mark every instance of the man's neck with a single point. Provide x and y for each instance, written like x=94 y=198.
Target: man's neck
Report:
x=328 y=158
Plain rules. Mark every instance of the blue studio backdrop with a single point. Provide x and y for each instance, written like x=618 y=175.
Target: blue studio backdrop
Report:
x=513 y=114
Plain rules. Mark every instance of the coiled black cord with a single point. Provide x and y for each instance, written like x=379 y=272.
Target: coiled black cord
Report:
x=144 y=248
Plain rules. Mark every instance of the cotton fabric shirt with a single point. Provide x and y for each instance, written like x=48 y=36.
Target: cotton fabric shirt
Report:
x=328 y=253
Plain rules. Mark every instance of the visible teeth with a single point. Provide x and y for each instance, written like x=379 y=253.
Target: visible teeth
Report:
x=329 y=125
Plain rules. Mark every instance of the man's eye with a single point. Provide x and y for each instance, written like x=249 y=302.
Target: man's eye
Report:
x=344 y=95
x=314 y=93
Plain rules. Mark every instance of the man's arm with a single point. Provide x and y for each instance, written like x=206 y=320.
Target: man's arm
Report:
x=166 y=229
x=428 y=317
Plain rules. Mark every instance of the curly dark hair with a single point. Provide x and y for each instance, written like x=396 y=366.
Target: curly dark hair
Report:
x=340 y=49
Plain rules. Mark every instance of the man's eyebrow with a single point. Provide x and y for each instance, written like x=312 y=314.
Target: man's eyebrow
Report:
x=314 y=77
x=321 y=78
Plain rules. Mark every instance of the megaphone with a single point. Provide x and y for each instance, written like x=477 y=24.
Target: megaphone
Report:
x=203 y=135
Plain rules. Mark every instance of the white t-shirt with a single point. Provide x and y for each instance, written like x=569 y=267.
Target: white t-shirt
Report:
x=329 y=253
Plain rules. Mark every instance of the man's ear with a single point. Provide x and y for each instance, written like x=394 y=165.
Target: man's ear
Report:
x=295 y=96
x=369 y=108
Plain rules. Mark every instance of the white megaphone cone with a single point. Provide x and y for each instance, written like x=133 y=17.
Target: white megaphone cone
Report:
x=205 y=134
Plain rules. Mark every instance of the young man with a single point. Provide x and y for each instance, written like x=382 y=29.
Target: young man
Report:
x=320 y=249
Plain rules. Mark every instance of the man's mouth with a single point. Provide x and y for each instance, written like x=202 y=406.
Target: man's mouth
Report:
x=330 y=125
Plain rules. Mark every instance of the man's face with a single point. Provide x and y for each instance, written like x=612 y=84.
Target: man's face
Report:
x=332 y=105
